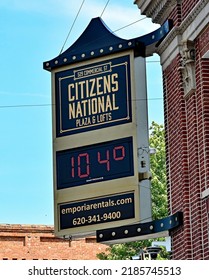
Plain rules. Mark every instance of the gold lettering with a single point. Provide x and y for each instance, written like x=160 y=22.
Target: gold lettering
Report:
x=76 y=91
x=99 y=86
x=70 y=97
x=87 y=89
x=114 y=82
x=83 y=102
x=82 y=89
x=93 y=87
x=79 y=110
x=101 y=104
x=92 y=93
x=107 y=85
x=89 y=106
x=114 y=103
x=94 y=106
x=93 y=96
x=71 y=110
x=108 y=104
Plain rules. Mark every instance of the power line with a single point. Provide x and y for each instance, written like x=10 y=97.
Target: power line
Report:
x=72 y=26
x=89 y=43
x=130 y=24
x=100 y=16
x=25 y=105
x=47 y=105
x=104 y=8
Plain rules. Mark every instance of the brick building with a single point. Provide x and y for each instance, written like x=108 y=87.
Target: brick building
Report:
x=184 y=55
x=37 y=242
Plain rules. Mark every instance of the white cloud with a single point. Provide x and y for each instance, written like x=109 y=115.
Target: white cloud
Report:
x=116 y=15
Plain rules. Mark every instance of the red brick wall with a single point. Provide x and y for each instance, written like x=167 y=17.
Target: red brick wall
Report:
x=186 y=108
x=187 y=140
x=38 y=242
x=181 y=10
x=187 y=6
x=177 y=158
x=176 y=15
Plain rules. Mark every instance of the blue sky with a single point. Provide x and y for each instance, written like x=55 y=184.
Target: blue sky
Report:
x=31 y=32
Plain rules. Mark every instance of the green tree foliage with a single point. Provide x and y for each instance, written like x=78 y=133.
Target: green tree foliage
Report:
x=158 y=170
x=159 y=198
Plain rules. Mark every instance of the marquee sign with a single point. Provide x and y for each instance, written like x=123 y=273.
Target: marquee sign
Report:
x=94 y=96
x=99 y=125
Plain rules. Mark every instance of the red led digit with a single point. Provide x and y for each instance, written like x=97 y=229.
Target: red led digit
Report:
x=104 y=161
x=72 y=167
x=119 y=148
x=87 y=171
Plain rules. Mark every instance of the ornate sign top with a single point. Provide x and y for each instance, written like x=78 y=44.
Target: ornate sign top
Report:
x=97 y=41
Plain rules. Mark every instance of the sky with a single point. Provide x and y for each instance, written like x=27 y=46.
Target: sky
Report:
x=31 y=32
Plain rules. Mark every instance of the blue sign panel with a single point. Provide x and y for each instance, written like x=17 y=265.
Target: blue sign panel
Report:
x=92 y=97
x=97 y=211
x=95 y=163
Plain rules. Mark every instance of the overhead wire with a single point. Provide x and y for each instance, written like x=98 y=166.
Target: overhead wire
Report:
x=123 y=27
x=47 y=105
x=71 y=28
x=105 y=8
x=76 y=17
x=129 y=24
x=25 y=105
x=114 y=31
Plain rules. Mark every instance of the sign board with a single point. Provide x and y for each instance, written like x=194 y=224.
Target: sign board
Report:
x=95 y=146
x=93 y=97
x=97 y=211
x=100 y=131
x=95 y=132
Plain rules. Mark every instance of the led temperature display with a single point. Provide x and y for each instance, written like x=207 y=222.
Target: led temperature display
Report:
x=95 y=163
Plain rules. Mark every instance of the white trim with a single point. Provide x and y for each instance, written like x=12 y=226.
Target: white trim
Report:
x=195 y=22
x=158 y=10
x=143 y=138
x=170 y=52
x=205 y=193
x=206 y=55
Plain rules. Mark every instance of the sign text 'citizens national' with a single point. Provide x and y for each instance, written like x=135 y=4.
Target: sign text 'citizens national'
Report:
x=93 y=97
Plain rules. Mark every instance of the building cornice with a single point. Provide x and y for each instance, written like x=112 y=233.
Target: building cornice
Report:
x=26 y=228
x=188 y=30
x=158 y=10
